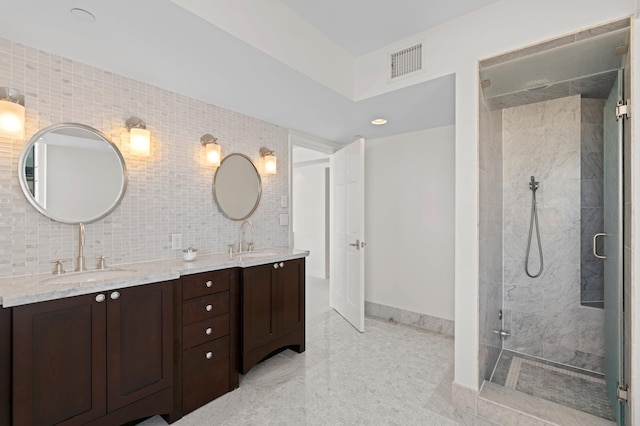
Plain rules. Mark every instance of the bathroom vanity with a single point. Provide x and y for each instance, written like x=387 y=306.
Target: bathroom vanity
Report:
x=162 y=338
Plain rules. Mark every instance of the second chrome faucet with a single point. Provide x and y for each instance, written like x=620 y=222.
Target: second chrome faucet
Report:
x=250 y=243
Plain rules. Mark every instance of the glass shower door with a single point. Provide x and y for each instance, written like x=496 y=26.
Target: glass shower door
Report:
x=613 y=248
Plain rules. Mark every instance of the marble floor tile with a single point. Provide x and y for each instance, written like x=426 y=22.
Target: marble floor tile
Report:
x=392 y=374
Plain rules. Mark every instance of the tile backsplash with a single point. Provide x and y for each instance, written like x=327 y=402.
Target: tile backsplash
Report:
x=169 y=192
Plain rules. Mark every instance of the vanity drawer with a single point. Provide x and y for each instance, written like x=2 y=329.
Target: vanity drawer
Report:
x=202 y=386
x=204 y=355
x=205 y=307
x=205 y=283
x=204 y=331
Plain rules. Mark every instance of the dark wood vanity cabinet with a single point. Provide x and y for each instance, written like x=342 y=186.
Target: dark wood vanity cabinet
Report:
x=104 y=358
x=207 y=322
x=272 y=310
x=5 y=366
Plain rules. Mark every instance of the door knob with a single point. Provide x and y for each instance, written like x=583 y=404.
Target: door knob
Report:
x=356 y=244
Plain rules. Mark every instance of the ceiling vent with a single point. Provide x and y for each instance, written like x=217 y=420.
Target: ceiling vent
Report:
x=406 y=61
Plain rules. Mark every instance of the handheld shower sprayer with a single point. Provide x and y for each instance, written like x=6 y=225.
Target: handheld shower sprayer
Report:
x=533 y=186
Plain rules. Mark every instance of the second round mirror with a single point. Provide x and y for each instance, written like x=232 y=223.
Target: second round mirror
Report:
x=237 y=187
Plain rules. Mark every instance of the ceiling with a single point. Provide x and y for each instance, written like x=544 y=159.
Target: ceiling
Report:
x=162 y=44
x=362 y=26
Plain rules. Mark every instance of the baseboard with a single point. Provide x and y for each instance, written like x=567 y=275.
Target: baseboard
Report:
x=427 y=322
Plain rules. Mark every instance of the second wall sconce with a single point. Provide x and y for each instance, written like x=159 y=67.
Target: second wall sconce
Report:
x=212 y=149
x=11 y=113
x=140 y=141
x=270 y=161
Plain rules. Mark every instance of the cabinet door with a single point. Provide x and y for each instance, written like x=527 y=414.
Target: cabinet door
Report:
x=257 y=322
x=59 y=362
x=139 y=341
x=289 y=297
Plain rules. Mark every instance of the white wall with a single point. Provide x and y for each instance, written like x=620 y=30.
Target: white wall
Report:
x=409 y=205
x=310 y=212
x=455 y=47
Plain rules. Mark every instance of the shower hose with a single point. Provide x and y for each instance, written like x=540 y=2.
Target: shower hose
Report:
x=533 y=185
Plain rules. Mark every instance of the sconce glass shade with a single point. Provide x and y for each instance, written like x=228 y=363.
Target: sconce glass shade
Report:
x=212 y=149
x=140 y=137
x=140 y=142
x=270 y=164
x=213 y=154
x=11 y=114
x=270 y=161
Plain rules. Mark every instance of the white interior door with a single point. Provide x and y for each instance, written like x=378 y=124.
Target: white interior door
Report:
x=346 y=292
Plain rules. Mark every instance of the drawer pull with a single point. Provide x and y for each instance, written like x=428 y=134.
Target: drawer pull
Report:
x=209 y=308
x=209 y=284
x=208 y=331
x=209 y=355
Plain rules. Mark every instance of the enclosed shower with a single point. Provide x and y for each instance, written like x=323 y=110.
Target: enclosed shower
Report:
x=551 y=221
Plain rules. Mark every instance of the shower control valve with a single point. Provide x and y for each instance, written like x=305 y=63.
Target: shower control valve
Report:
x=502 y=333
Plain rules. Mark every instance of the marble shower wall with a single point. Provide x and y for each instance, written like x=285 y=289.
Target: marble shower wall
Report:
x=169 y=192
x=544 y=314
x=490 y=244
x=591 y=199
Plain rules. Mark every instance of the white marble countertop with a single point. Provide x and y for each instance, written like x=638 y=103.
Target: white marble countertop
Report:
x=25 y=289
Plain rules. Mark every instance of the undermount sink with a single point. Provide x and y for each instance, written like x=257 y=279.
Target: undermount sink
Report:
x=254 y=254
x=88 y=276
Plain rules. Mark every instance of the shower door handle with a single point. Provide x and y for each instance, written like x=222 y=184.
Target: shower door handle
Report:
x=595 y=238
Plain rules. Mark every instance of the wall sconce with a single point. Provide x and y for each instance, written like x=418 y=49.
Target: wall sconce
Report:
x=11 y=113
x=140 y=140
x=270 y=161
x=212 y=149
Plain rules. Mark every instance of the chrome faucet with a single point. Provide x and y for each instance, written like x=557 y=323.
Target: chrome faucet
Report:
x=80 y=266
x=246 y=222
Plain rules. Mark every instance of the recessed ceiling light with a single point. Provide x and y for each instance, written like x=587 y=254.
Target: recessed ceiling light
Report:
x=378 y=121
x=82 y=15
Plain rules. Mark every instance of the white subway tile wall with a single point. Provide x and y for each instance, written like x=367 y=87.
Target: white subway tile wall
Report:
x=169 y=192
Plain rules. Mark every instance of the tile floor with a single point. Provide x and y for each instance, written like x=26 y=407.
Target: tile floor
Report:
x=390 y=375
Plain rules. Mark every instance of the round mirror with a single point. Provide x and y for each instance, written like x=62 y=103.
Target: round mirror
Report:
x=237 y=187
x=72 y=173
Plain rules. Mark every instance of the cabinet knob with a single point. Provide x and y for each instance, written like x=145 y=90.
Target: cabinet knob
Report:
x=208 y=331
x=209 y=284
x=275 y=266
x=115 y=295
x=209 y=308
x=282 y=264
x=209 y=355
x=100 y=298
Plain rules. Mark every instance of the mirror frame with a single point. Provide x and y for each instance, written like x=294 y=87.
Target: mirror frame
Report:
x=258 y=197
x=23 y=179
